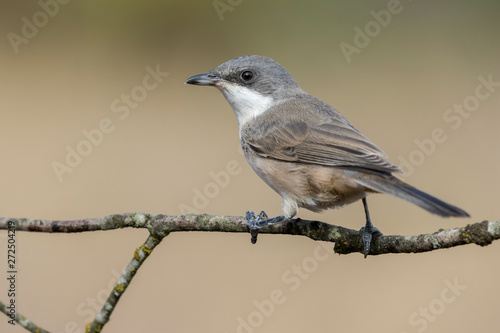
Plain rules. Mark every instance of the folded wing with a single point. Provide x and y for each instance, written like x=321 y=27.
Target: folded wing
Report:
x=323 y=137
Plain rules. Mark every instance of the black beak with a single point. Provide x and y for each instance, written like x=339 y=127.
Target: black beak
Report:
x=207 y=79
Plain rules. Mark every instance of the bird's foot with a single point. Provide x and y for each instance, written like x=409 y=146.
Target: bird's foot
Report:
x=256 y=222
x=253 y=224
x=368 y=233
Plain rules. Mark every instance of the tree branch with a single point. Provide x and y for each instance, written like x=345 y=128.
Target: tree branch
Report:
x=346 y=240
x=140 y=255
x=23 y=321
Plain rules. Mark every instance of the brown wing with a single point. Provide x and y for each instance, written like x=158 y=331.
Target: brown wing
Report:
x=323 y=137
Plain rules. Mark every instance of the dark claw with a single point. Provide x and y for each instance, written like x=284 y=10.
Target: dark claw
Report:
x=368 y=234
x=252 y=221
x=368 y=231
x=250 y=216
x=253 y=224
x=253 y=235
x=262 y=216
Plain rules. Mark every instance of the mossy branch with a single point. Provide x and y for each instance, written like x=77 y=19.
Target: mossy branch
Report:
x=346 y=240
x=22 y=320
x=140 y=255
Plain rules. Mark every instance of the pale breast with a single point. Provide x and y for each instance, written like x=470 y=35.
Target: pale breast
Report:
x=310 y=186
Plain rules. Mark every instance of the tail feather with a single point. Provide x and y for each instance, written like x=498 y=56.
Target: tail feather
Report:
x=395 y=187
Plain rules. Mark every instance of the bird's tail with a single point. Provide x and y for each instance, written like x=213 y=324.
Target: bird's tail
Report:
x=395 y=187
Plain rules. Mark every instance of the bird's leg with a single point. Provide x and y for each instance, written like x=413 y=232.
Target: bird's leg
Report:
x=368 y=231
x=261 y=221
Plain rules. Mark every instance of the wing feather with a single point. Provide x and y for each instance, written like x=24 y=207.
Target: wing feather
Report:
x=323 y=137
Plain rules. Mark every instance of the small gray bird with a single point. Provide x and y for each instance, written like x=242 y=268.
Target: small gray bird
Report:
x=303 y=148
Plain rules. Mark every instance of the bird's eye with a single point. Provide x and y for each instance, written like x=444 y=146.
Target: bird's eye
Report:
x=246 y=75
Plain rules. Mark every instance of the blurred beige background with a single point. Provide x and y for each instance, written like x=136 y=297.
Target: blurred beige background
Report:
x=397 y=89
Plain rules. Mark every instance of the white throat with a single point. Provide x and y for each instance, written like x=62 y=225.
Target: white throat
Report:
x=246 y=103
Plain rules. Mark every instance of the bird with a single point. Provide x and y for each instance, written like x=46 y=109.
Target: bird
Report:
x=304 y=149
